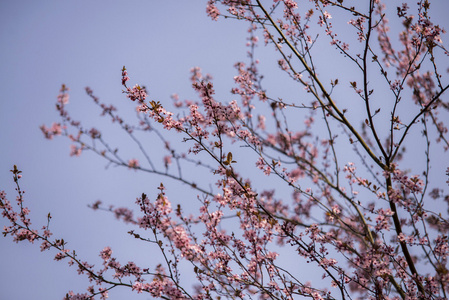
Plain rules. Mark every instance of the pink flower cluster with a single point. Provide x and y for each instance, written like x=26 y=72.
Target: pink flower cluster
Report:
x=54 y=130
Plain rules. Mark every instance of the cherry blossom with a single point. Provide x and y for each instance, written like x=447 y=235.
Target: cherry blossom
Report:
x=334 y=189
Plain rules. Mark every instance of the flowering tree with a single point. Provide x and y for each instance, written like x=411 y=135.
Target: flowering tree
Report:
x=366 y=222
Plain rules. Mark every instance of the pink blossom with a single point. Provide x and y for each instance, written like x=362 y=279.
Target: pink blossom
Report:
x=136 y=93
x=55 y=129
x=75 y=151
x=133 y=164
x=106 y=253
x=212 y=10
x=167 y=160
x=125 y=77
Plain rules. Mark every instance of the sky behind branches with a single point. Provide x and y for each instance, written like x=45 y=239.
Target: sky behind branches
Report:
x=86 y=43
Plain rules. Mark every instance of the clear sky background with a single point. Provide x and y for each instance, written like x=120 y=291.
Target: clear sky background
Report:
x=85 y=43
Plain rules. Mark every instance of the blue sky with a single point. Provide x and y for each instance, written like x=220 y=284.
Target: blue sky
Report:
x=86 y=43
